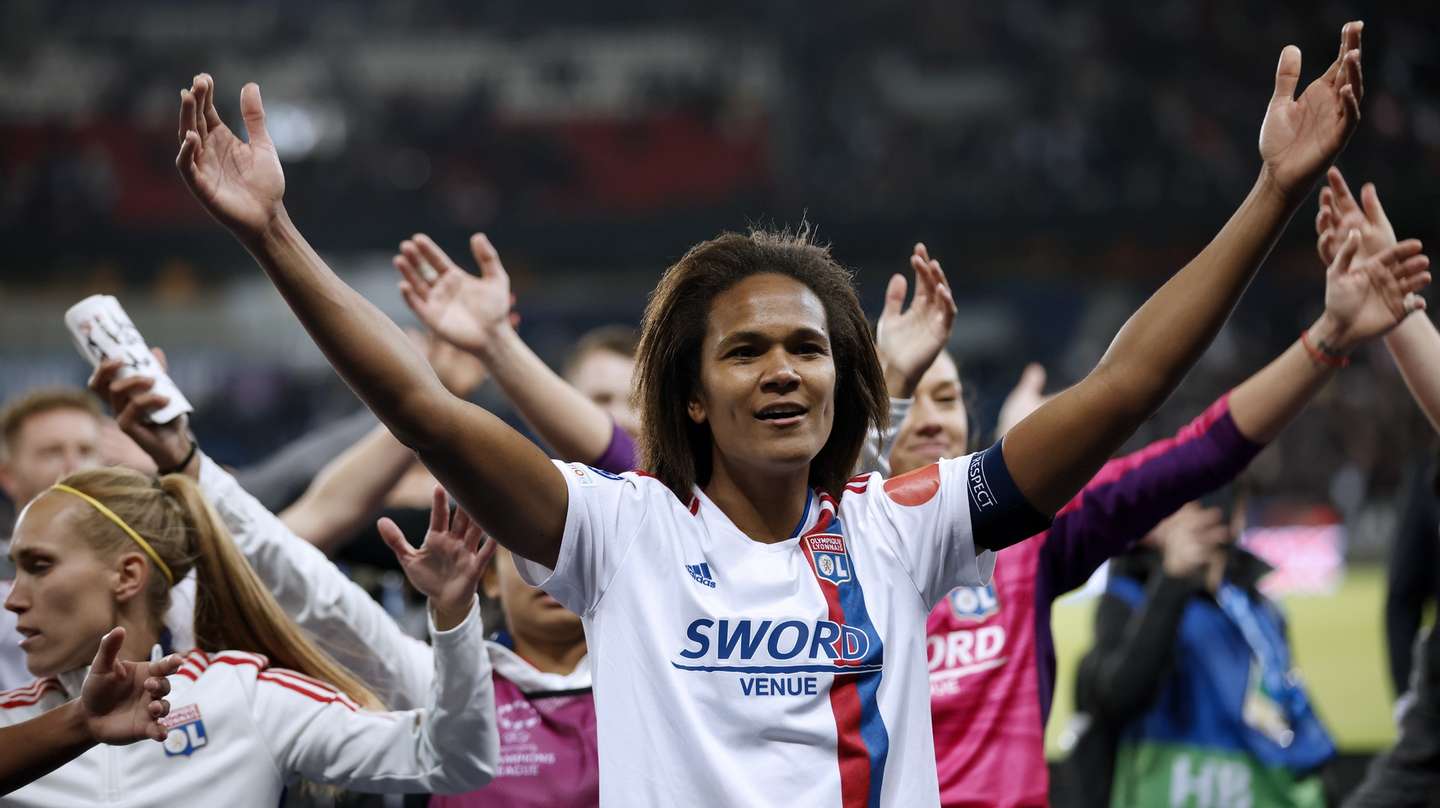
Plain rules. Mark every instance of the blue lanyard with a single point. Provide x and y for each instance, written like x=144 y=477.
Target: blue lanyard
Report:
x=1269 y=649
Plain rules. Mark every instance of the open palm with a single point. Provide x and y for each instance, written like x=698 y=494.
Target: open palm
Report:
x=463 y=309
x=123 y=701
x=1369 y=296
x=908 y=340
x=448 y=564
x=1301 y=136
x=240 y=184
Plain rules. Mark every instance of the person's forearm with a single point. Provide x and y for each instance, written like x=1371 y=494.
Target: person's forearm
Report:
x=1052 y=453
x=1123 y=680
x=280 y=479
x=1268 y=401
x=32 y=749
x=349 y=490
x=1415 y=344
x=366 y=348
x=501 y=479
x=574 y=426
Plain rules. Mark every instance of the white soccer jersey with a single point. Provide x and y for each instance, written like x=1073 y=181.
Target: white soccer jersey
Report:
x=732 y=672
x=240 y=730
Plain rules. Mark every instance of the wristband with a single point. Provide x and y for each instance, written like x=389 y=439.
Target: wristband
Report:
x=1322 y=356
x=190 y=455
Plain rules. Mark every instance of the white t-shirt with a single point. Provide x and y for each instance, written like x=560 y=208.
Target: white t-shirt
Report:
x=732 y=672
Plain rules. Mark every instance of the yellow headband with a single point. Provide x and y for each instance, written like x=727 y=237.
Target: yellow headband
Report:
x=120 y=523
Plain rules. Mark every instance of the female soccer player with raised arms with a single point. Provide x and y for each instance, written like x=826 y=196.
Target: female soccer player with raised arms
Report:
x=754 y=640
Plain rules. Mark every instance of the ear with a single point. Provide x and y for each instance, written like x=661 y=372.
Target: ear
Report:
x=696 y=410
x=132 y=576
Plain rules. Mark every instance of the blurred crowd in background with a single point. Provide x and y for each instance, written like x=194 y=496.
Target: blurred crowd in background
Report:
x=1060 y=161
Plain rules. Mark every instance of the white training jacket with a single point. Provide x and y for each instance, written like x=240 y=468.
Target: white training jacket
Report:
x=332 y=609
x=240 y=731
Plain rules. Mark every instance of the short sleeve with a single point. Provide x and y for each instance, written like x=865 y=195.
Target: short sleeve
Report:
x=605 y=513
x=924 y=517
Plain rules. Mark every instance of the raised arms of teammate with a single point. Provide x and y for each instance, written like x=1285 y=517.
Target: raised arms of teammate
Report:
x=351 y=488
x=473 y=313
x=1052 y=453
x=496 y=474
x=1130 y=494
x=1415 y=344
x=120 y=703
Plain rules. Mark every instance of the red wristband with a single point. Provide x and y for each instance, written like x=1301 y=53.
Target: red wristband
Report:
x=1322 y=357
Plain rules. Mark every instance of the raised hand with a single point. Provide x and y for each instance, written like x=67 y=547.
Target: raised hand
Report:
x=123 y=702
x=1301 y=136
x=1028 y=395
x=1340 y=213
x=1364 y=298
x=239 y=183
x=463 y=309
x=448 y=565
x=132 y=401
x=908 y=341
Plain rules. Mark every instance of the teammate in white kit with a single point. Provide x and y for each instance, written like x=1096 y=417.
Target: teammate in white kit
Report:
x=754 y=639
x=256 y=707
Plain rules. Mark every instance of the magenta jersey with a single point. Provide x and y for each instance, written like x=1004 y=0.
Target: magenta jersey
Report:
x=547 y=750
x=990 y=651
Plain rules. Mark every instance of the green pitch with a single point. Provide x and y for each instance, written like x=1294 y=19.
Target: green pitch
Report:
x=1339 y=645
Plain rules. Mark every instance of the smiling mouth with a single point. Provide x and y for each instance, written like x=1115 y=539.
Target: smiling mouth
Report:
x=782 y=414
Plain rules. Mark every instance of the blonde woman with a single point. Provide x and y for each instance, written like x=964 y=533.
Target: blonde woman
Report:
x=257 y=706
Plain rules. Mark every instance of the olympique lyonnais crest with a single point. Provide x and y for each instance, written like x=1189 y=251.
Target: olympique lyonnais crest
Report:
x=973 y=603
x=832 y=563
x=185 y=732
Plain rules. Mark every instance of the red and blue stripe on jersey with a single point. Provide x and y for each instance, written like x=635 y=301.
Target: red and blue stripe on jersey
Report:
x=862 y=742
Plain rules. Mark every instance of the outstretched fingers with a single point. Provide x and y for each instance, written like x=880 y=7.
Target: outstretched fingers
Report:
x=394 y=538
x=108 y=652
x=1287 y=74
x=1370 y=201
x=486 y=257
x=252 y=110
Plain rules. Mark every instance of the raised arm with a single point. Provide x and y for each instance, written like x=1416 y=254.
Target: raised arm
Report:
x=1415 y=344
x=1131 y=494
x=351 y=489
x=473 y=314
x=451 y=744
x=346 y=622
x=1052 y=453
x=498 y=475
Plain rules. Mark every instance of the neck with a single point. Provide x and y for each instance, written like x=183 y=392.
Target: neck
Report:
x=549 y=657
x=764 y=507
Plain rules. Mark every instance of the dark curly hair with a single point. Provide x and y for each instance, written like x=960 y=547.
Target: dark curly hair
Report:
x=677 y=450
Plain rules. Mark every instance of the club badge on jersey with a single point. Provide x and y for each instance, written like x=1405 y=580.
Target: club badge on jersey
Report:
x=973 y=603
x=832 y=563
x=185 y=731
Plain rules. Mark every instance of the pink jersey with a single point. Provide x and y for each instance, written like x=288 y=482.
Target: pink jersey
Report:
x=990 y=651
x=547 y=739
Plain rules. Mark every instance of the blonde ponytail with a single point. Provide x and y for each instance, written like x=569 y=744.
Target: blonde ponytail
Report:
x=233 y=609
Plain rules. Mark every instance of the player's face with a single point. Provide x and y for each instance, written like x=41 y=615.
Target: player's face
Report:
x=48 y=446
x=60 y=595
x=767 y=377
x=605 y=378
x=937 y=425
x=529 y=612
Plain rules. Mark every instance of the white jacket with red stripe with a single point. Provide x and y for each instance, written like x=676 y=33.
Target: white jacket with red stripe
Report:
x=241 y=730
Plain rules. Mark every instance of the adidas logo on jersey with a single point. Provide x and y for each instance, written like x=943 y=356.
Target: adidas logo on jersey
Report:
x=701 y=573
